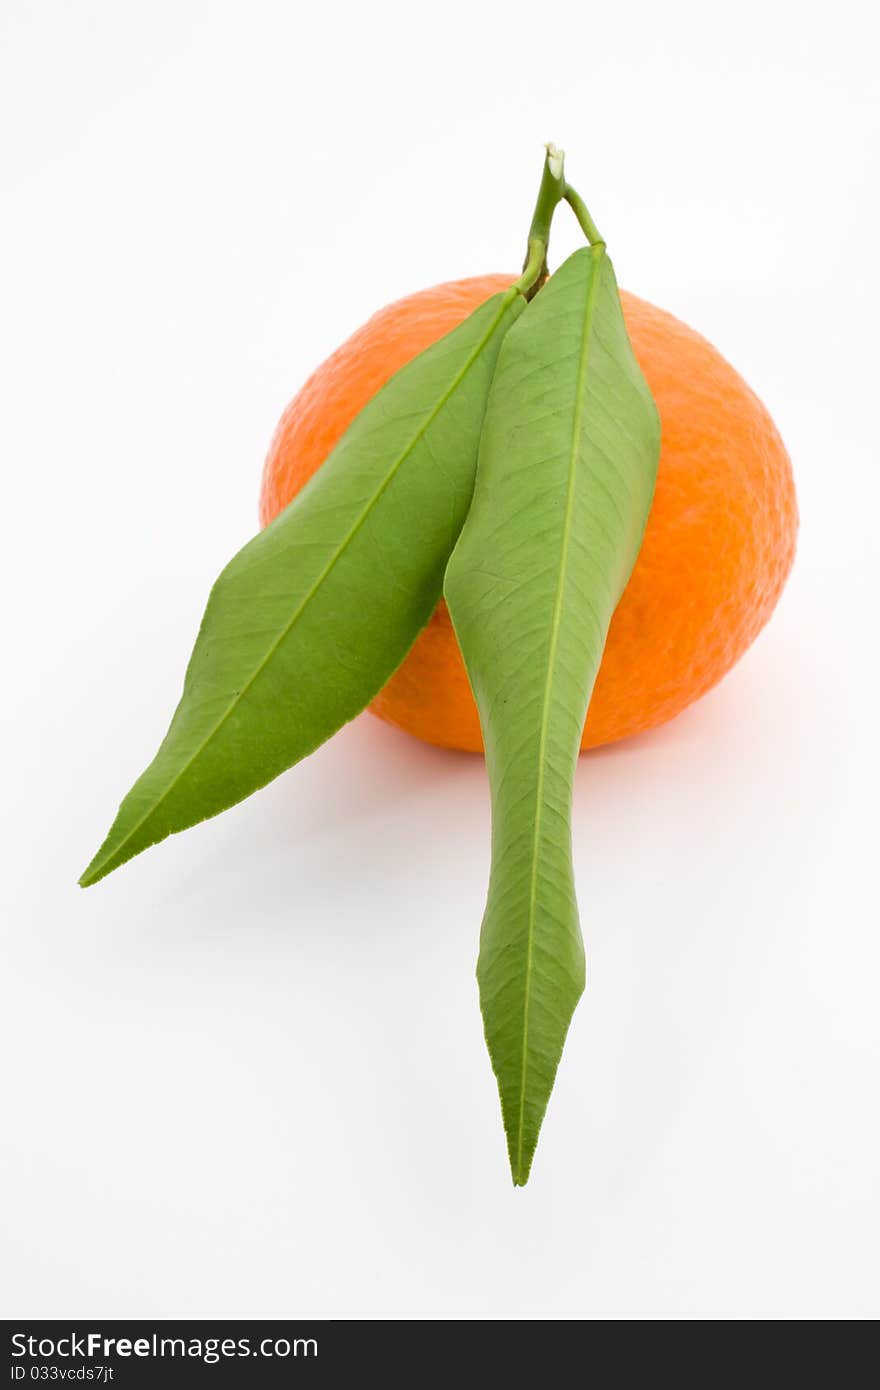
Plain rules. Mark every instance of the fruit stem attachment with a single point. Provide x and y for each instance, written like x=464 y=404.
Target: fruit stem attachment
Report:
x=551 y=193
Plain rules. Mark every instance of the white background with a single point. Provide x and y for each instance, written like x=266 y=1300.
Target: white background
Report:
x=245 y=1076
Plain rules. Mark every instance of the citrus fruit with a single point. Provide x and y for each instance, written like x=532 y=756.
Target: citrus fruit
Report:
x=718 y=546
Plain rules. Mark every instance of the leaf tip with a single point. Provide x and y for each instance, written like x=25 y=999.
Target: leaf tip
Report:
x=89 y=876
x=97 y=868
x=520 y=1154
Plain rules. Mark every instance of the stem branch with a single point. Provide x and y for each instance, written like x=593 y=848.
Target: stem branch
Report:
x=551 y=192
x=579 y=208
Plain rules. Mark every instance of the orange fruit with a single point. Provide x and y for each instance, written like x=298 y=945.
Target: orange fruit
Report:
x=718 y=546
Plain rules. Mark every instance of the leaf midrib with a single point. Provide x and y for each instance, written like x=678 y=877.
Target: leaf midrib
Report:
x=507 y=299
x=556 y=626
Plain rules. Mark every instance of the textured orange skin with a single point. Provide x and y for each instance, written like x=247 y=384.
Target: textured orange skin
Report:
x=718 y=547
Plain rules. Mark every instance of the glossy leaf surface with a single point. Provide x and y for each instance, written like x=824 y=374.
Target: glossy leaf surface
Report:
x=565 y=478
x=309 y=620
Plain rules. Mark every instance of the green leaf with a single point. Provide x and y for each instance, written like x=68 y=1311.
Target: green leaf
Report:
x=565 y=478
x=309 y=620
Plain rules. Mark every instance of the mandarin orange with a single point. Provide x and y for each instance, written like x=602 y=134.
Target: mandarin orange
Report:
x=717 y=550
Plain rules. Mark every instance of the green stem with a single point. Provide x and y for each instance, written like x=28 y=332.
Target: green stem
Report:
x=579 y=208
x=550 y=194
